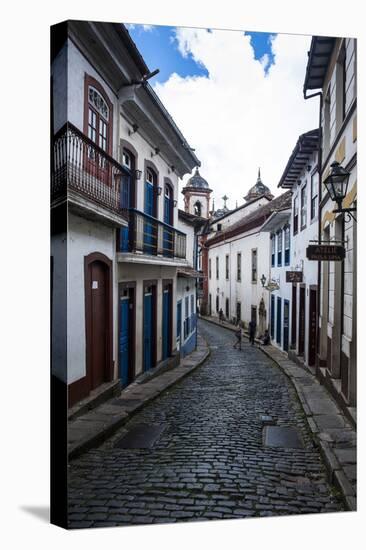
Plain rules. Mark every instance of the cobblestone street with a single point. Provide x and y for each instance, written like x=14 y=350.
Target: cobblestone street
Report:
x=209 y=461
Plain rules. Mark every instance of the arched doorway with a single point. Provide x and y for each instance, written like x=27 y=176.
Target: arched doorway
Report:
x=98 y=321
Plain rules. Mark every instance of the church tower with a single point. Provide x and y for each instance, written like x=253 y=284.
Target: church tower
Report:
x=258 y=190
x=197 y=196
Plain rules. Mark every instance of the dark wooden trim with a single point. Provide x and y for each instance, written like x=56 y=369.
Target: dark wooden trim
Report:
x=169 y=283
x=88 y=260
x=151 y=165
x=78 y=390
x=124 y=144
x=293 y=316
x=130 y=285
x=90 y=81
x=153 y=283
x=168 y=182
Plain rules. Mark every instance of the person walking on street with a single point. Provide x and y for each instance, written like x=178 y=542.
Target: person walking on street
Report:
x=252 y=331
x=221 y=316
x=238 y=334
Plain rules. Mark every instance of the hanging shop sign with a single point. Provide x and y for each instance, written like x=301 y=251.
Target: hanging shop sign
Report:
x=325 y=252
x=273 y=285
x=293 y=276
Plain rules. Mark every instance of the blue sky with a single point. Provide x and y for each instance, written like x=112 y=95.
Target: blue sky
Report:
x=160 y=51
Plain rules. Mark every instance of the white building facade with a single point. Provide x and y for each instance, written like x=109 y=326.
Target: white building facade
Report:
x=238 y=257
x=336 y=85
x=301 y=176
x=118 y=157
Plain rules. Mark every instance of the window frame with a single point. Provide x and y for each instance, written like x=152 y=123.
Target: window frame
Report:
x=254 y=269
x=303 y=206
x=238 y=267
x=227 y=267
x=296 y=215
x=287 y=251
x=273 y=250
x=209 y=268
x=279 y=236
x=217 y=268
x=314 y=198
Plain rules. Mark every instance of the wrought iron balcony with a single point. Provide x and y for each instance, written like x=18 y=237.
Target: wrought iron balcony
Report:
x=147 y=235
x=80 y=166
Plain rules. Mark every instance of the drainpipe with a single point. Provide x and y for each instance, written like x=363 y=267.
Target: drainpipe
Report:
x=320 y=150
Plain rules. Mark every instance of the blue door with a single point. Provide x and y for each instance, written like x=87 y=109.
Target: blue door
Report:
x=166 y=323
x=279 y=320
x=286 y=323
x=179 y=324
x=148 y=331
x=168 y=236
x=124 y=340
x=272 y=316
x=148 y=224
x=125 y=203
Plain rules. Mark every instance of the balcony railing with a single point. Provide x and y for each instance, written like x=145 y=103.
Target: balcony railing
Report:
x=78 y=164
x=148 y=235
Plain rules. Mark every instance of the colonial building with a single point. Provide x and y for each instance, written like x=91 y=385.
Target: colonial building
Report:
x=117 y=160
x=331 y=70
x=188 y=284
x=291 y=232
x=238 y=256
x=197 y=197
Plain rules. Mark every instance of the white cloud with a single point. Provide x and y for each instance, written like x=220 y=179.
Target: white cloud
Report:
x=148 y=28
x=238 y=118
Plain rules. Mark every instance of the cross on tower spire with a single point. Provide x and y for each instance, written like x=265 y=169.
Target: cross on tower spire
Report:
x=225 y=198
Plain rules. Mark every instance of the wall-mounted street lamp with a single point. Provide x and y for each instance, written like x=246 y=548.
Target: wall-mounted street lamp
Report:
x=175 y=202
x=263 y=280
x=336 y=184
x=159 y=190
x=138 y=174
x=134 y=129
x=156 y=152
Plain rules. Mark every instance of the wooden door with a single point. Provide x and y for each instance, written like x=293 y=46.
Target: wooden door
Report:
x=279 y=320
x=168 y=236
x=149 y=245
x=99 y=320
x=167 y=322
x=148 y=331
x=286 y=322
x=179 y=324
x=293 y=316
x=126 y=340
x=302 y=321
x=272 y=316
x=312 y=327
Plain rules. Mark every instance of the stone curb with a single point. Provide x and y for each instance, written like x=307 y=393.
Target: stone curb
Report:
x=101 y=433
x=335 y=470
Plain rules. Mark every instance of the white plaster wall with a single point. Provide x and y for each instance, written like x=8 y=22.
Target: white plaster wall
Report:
x=83 y=238
x=59 y=78
x=248 y=293
x=76 y=68
x=59 y=315
x=237 y=215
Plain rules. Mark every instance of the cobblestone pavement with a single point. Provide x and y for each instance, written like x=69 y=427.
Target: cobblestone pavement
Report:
x=210 y=461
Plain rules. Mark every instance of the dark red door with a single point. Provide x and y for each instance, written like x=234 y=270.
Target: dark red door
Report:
x=302 y=321
x=99 y=320
x=312 y=328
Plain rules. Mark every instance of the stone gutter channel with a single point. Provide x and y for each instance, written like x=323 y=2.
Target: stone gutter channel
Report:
x=332 y=432
x=94 y=426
